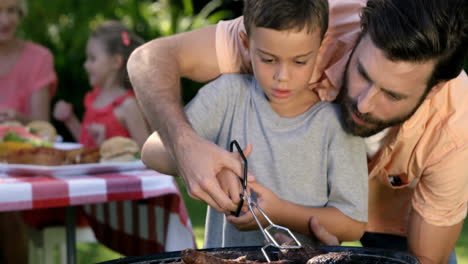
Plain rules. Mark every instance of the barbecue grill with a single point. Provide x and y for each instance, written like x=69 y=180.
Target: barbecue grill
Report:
x=359 y=255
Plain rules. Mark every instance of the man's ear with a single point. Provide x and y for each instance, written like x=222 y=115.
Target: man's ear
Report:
x=245 y=39
x=435 y=89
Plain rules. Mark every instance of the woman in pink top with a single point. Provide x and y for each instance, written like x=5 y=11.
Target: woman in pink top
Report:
x=110 y=108
x=27 y=76
x=27 y=83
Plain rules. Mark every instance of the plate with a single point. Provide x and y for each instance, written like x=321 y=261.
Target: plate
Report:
x=68 y=170
x=67 y=145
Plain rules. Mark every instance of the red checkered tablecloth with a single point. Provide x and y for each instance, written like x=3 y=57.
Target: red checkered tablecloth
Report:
x=134 y=212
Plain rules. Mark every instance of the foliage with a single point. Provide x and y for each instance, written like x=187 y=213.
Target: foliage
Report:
x=64 y=26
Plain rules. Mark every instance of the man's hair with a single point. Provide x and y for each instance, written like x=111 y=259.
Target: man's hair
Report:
x=420 y=31
x=286 y=15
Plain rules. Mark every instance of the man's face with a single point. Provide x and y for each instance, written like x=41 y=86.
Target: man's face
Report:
x=283 y=62
x=378 y=93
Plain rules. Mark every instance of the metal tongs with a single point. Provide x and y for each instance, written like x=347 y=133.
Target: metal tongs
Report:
x=267 y=231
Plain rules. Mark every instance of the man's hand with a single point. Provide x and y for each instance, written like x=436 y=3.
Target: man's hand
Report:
x=198 y=163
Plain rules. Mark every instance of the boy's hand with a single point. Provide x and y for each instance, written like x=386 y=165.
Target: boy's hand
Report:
x=321 y=233
x=270 y=203
x=230 y=184
x=63 y=111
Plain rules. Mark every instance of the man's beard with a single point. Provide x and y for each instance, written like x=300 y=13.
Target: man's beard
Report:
x=374 y=125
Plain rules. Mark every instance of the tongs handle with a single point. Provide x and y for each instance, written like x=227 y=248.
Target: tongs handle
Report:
x=243 y=180
x=250 y=204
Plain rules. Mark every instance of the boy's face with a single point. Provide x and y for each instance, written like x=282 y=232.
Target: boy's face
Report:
x=283 y=62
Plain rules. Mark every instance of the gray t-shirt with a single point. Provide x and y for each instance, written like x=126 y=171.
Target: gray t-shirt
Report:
x=307 y=159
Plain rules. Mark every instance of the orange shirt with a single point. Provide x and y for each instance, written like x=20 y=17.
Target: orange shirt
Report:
x=429 y=152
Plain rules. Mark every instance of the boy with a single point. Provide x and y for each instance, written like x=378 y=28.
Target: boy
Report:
x=300 y=150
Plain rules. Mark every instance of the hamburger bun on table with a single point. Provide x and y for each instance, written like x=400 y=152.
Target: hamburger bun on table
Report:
x=119 y=149
x=43 y=129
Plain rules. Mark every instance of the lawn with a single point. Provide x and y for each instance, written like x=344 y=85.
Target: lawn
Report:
x=92 y=252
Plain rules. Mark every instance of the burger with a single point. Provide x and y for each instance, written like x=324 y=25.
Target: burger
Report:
x=119 y=149
x=43 y=129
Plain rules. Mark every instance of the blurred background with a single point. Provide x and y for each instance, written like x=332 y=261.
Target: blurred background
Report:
x=64 y=26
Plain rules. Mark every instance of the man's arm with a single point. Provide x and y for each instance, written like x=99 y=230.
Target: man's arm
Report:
x=431 y=244
x=156 y=157
x=155 y=70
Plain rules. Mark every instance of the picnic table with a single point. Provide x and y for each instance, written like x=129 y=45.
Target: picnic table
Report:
x=101 y=192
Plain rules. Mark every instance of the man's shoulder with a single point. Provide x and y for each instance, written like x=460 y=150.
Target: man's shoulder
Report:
x=443 y=118
x=452 y=108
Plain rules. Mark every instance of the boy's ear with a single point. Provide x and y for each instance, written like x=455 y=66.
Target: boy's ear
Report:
x=245 y=39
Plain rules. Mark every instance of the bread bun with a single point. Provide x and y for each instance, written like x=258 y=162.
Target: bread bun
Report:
x=44 y=129
x=11 y=123
x=118 y=149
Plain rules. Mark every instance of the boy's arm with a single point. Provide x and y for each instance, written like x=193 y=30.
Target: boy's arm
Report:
x=296 y=217
x=155 y=156
x=155 y=70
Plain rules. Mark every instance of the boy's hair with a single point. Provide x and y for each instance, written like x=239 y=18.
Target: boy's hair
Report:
x=286 y=15
x=118 y=40
x=419 y=31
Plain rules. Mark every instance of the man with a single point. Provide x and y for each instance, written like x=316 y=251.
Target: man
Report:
x=401 y=87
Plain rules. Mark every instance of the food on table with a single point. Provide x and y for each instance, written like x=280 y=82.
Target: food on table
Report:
x=82 y=155
x=8 y=146
x=21 y=147
x=11 y=123
x=43 y=129
x=119 y=149
x=14 y=138
x=35 y=156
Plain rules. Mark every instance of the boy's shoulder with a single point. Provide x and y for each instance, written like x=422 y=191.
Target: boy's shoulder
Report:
x=331 y=113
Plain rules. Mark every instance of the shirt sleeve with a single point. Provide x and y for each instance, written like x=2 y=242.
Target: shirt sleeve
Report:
x=233 y=56
x=44 y=74
x=441 y=195
x=347 y=172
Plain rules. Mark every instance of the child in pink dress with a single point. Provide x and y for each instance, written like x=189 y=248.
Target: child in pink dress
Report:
x=111 y=108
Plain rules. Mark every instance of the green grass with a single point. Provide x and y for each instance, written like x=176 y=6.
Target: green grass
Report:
x=92 y=252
